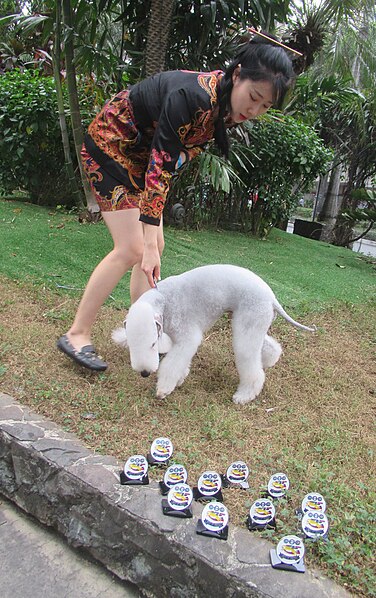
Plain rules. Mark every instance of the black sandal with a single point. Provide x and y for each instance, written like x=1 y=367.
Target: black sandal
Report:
x=87 y=356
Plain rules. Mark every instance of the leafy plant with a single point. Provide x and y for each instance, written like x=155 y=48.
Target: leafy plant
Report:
x=31 y=153
x=272 y=163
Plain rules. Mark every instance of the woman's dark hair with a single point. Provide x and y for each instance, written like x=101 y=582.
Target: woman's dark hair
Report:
x=260 y=60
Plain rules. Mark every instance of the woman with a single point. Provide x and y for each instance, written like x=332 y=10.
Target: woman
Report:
x=139 y=140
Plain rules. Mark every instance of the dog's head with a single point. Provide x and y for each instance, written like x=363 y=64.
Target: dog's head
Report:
x=145 y=338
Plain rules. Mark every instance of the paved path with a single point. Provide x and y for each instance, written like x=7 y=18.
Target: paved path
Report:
x=35 y=562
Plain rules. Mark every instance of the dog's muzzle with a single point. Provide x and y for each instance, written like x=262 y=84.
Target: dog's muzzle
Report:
x=145 y=373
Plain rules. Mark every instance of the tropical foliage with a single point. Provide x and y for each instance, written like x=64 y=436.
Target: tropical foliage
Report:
x=31 y=154
x=272 y=164
x=104 y=44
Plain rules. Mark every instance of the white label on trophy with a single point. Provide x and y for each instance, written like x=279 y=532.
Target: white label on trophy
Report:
x=314 y=524
x=278 y=485
x=175 y=474
x=290 y=550
x=237 y=473
x=180 y=497
x=262 y=511
x=136 y=467
x=209 y=483
x=314 y=502
x=161 y=449
x=214 y=516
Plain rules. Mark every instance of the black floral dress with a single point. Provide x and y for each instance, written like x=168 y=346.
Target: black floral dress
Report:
x=143 y=135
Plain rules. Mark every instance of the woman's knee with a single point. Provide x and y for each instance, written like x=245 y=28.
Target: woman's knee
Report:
x=129 y=255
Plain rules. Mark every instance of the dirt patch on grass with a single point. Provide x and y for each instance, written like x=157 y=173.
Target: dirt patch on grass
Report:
x=314 y=419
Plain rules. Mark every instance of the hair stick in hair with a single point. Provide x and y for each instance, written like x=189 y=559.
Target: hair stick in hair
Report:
x=273 y=41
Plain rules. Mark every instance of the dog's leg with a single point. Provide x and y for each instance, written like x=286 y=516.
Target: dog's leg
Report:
x=271 y=352
x=248 y=339
x=174 y=367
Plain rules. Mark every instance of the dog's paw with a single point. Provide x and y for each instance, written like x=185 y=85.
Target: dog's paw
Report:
x=119 y=336
x=248 y=392
x=163 y=391
x=271 y=352
x=183 y=377
x=241 y=397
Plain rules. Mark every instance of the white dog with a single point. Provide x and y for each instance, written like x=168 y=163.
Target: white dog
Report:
x=173 y=317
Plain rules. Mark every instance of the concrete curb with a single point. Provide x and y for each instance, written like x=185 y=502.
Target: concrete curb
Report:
x=51 y=476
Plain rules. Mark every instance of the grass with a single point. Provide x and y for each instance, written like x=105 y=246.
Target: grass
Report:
x=51 y=248
x=314 y=419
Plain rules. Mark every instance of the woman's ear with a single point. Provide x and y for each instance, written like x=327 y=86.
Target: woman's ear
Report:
x=236 y=73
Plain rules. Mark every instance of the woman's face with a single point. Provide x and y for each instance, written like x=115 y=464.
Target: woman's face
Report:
x=249 y=99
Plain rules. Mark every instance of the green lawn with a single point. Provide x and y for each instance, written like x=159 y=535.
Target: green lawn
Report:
x=52 y=248
x=314 y=418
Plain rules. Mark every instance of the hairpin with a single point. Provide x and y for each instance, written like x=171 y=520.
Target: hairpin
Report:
x=273 y=41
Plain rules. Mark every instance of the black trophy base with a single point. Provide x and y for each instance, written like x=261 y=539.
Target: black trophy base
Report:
x=253 y=526
x=126 y=481
x=205 y=498
x=164 y=489
x=170 y=512
x=226 y=483
x=265 y=494
x=203 y=531
x=150 y=459
x=277 y=563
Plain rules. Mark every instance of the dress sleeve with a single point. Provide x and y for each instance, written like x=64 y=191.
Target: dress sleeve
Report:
x=167 y=154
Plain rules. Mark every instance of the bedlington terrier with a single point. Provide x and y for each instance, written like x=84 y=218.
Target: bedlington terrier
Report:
x=173 y=317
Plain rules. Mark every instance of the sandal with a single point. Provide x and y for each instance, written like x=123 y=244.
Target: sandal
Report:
x=86 y=357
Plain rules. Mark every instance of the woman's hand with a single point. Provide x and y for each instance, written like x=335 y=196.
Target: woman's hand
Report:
x=151 y=261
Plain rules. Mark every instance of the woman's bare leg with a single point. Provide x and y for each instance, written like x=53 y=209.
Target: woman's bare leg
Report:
x=126 y=232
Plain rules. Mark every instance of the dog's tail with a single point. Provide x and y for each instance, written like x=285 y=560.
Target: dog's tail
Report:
x=279 y=309
x=119 y=336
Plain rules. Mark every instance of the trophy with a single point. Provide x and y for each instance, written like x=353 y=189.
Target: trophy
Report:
x=289 y=554
x=160 y=451
x=178 y=502
x=236 y=475
x=135 y=471
x=261 y=515
x=214 y=521
x=208 y=487
x=175 y=474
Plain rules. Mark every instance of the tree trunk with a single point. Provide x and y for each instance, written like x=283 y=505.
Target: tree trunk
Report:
x=73 y=102
x=158 y=32
x=56 y=57
x=331 y=206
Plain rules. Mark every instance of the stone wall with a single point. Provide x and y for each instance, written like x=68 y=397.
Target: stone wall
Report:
x=51 y=476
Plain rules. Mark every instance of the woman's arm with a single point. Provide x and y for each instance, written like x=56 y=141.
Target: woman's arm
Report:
x=151 y=261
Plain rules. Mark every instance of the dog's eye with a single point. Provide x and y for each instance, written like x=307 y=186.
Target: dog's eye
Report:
x=153 y=345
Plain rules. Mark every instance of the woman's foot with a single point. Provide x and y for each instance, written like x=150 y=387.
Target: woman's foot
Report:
x=85 y=356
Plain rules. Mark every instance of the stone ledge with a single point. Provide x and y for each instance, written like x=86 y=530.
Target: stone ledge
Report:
x=50 y=475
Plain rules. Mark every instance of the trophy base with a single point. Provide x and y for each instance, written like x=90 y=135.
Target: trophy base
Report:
x=170 y=512
x=226 y=483
x=253 y=526
x=150 y=459
x=203 y=531
x=277 y=563
x=126 y=481
x=204 y=498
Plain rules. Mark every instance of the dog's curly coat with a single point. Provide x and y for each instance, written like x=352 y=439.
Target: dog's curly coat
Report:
x=173 y=317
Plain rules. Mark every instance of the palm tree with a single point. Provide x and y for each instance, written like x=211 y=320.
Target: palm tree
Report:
x=338 y=91
x=158 y=33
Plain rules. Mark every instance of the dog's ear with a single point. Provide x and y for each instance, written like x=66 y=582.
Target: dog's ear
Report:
x=159 y=323
x=164 y=343
x=119 y=336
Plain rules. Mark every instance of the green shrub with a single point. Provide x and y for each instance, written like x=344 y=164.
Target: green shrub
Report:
x=272 y=163
x=290 y=157
x=31 y=152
